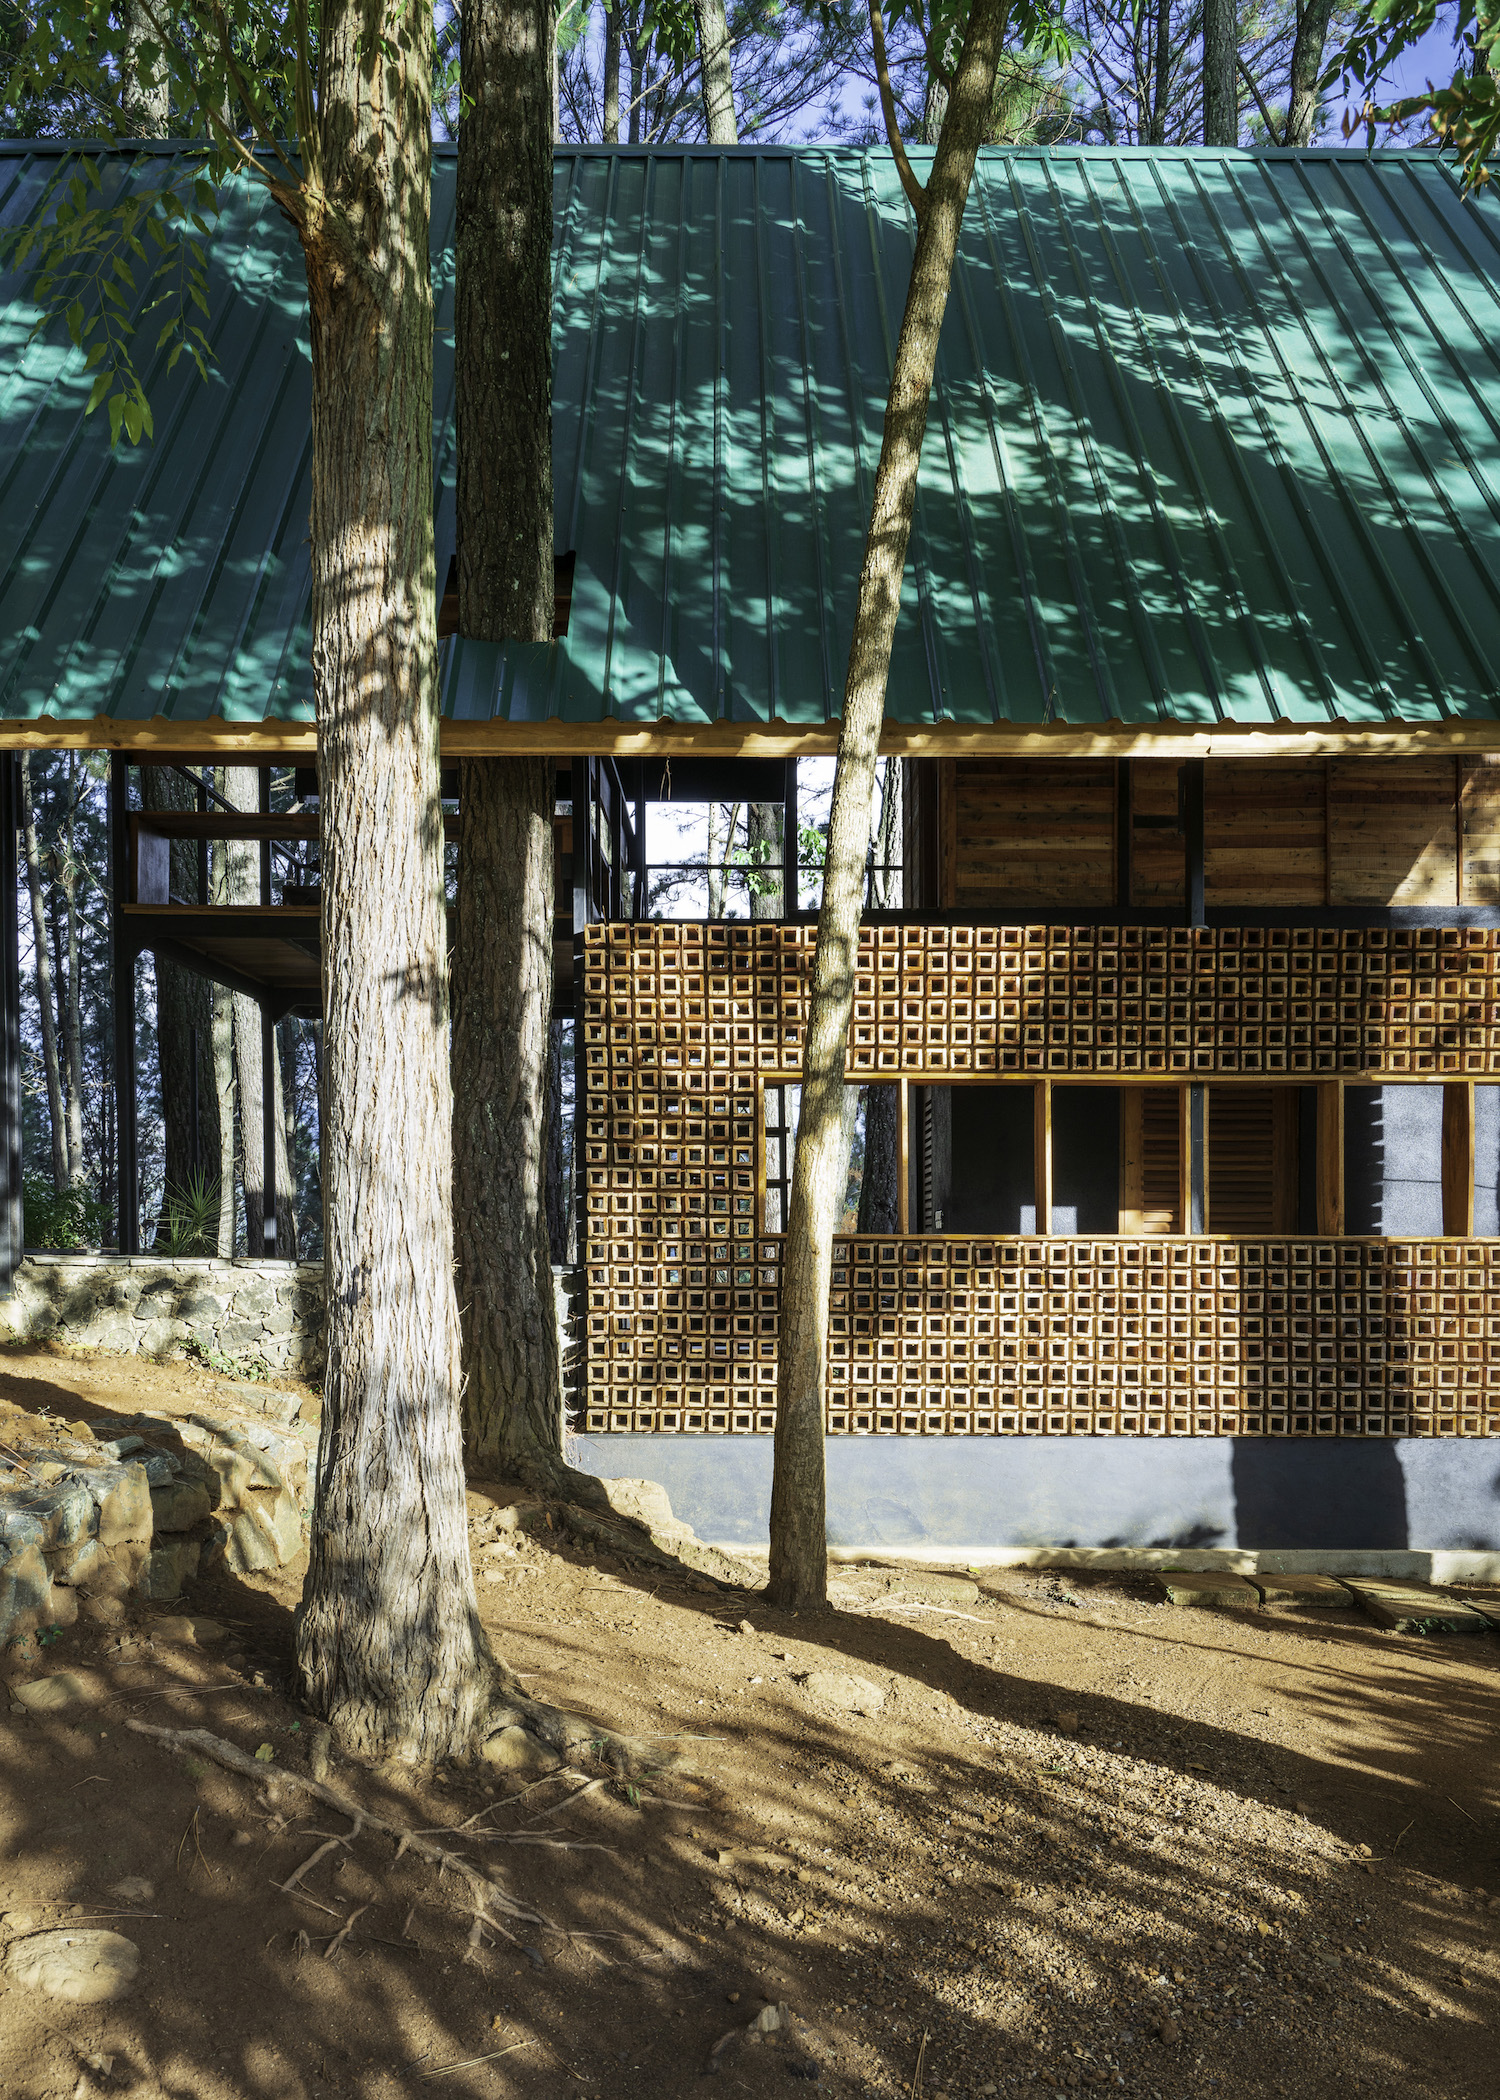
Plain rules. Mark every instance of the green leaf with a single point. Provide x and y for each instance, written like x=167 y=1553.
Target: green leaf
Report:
x=265 y=1754
x=100 y=389
x=134 y=419
x=75 y=320
x=116 y=417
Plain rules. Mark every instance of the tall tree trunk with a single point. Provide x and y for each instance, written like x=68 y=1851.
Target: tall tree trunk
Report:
x=184 y=1013
x=1221 y=102
x=879 y=1188
x=1307 y=64
x=799 y=1563
x=1156 y=131
x=506 y=877
x=764 y=834
x=389 y=1643
x=242 y=883
x=43 y=980
x=73 y=972
x=223 y=1051
x=145 y=104
x=512 y=1378
x=611 y=76
x=714 y=50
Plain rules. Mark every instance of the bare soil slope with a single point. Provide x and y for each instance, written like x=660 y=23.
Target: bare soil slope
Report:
x=1088 y=1840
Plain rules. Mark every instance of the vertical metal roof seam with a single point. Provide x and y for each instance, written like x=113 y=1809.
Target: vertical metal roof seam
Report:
x=1269 y=543
x=1005 y=476
x=864 y=480
x=722 y=667
x=1104 y=686
x=1144 y=465
x=815 y=464
x=1273 y=254
x=1457 y=368
x=1083 y=438
x=1274 y=449
x=1400 y=505
x=631 y=363
x=673 y=468
x=1172 y=415
x=769 y=491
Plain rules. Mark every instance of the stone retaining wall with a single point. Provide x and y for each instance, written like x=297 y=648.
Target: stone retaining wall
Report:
x=267 y=1314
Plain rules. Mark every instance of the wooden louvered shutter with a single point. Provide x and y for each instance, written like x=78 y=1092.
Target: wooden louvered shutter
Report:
x=1150 y=1184
x=1252 y=1159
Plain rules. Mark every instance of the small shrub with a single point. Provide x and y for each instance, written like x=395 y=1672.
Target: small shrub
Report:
x=62 y=1221
x=189 y=1221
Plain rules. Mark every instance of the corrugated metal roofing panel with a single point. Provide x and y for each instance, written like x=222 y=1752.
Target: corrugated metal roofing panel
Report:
x=1213 y=441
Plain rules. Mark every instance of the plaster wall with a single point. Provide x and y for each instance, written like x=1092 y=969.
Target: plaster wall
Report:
x=950 y=1497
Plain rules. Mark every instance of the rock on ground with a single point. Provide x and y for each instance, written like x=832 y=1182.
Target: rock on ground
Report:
x=86 y=1968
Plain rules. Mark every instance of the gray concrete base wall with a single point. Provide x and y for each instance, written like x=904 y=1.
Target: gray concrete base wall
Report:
x=948 y=1497
x=266 y=1315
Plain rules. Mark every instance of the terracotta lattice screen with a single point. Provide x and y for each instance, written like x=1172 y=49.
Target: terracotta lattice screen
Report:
x=681 y=1025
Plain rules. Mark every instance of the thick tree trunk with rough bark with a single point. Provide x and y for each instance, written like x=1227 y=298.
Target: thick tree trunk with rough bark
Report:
x=503 y=976
x=389 y=1643
x=879 y=1188
x=50 y=1060
x=1307 y=65
x=799 y=1564
x=718 y=75
x=1221 y=104
x=503 y=958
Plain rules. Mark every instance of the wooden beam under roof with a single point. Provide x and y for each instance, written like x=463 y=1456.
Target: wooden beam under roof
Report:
x=258 y=743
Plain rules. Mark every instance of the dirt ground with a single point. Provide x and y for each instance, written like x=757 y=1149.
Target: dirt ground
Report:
x=1090 y=1840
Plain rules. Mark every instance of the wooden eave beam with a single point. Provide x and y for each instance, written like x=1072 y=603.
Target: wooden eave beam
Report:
x=258 y=743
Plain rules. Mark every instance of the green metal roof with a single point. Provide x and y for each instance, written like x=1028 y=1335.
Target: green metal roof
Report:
x=1213 y=440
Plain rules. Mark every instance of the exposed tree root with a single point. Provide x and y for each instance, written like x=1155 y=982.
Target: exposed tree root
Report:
x=486 y=1894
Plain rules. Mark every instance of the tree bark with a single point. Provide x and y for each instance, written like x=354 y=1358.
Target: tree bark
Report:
x=389 y=1643
x=72 y=972
x=714 y=50
x=1221 y=102
x=798 y=1563
x=764 y=833
x=43 y=980
x=144 y=99
x=879 y=1187
x=612 y=76
x=183 y=1014
x=1156 y=129
x=512 y=1380
x=506 y=876
x=242 y=861
x=1307 y=64
x=223 y=1053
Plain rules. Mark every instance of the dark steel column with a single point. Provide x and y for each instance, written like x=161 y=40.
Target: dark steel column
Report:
x=789 y=843
x=122 y=975
x=1192 y=840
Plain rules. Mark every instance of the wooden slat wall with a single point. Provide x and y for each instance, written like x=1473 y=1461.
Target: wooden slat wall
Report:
x=1392 y=831
x=1031 y=832
x=1479 y=836
x=1264 y=833
x=1040 y=834
x=1252 y=1159
x=1156 y=861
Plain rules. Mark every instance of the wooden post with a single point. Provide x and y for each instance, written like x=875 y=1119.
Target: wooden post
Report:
x=1330 y=1157
x=1184 y=1159
x=1196 y=1214
x=1192 y=837
x=1124 y=830
x=1458 y=1160
x=1042 y=1133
